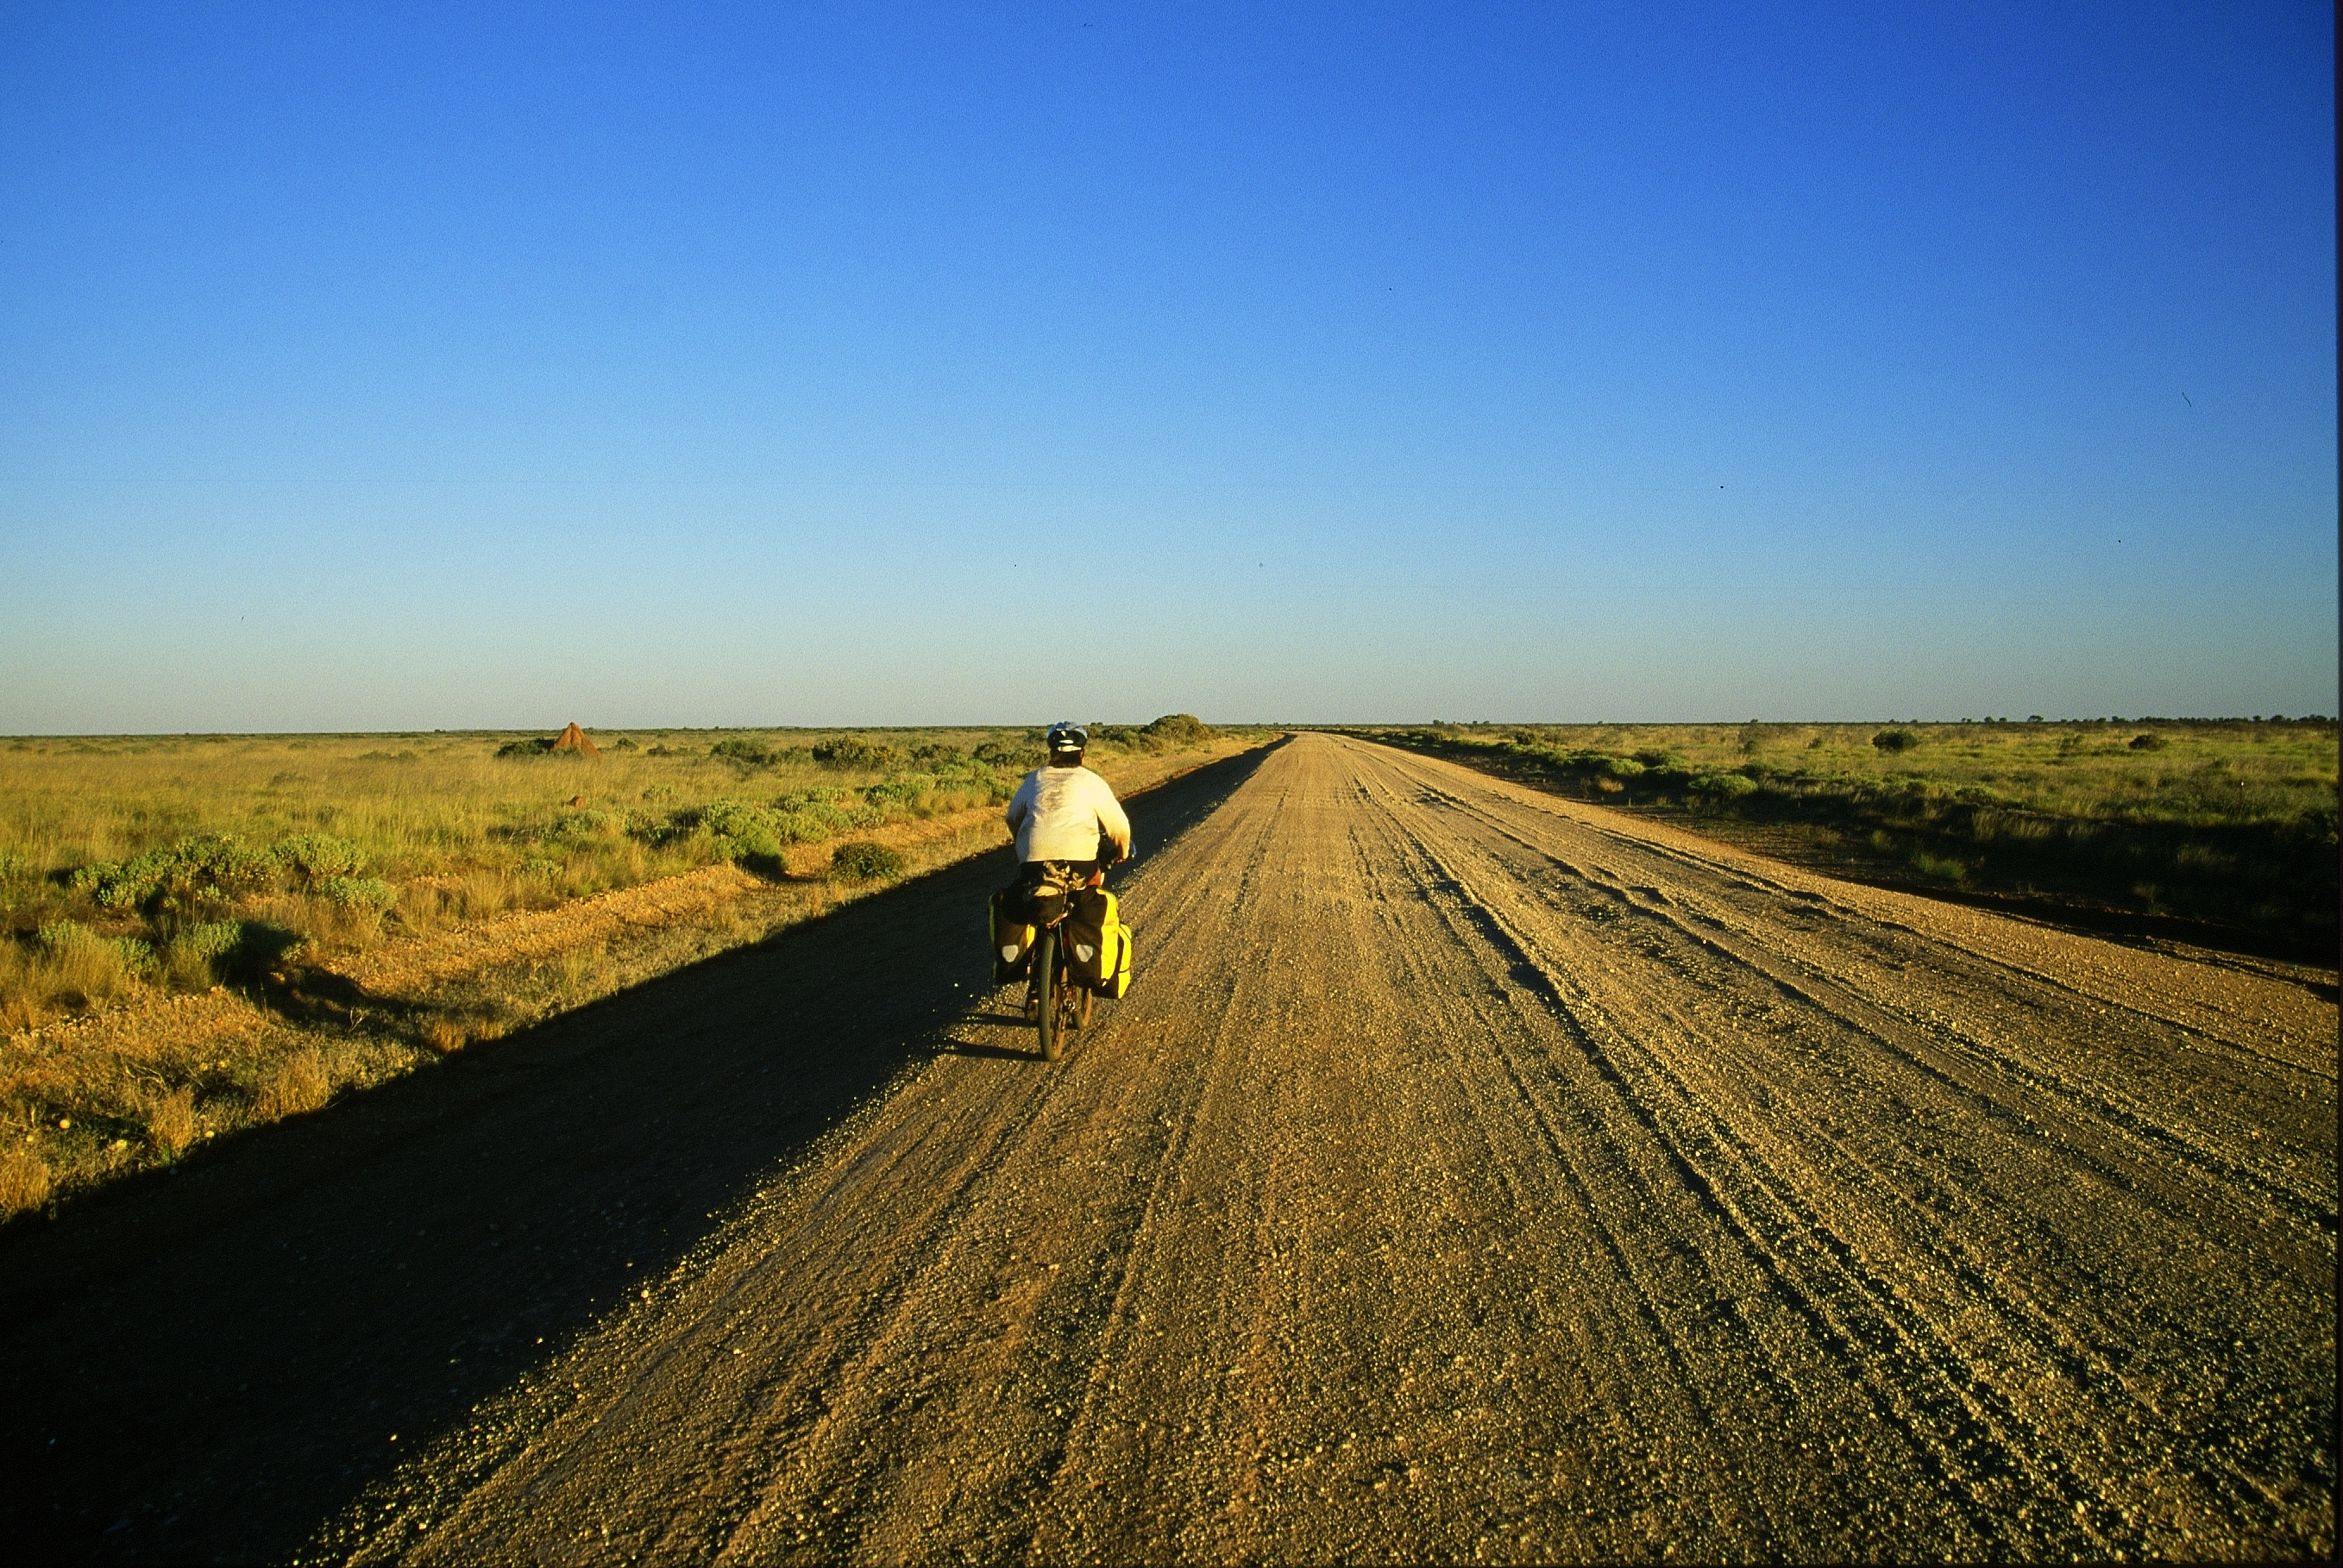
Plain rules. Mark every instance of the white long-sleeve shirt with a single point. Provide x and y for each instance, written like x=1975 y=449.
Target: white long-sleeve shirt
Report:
x=1057 y=814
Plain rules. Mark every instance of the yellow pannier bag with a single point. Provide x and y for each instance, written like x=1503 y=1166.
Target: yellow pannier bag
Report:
x=1117 y=980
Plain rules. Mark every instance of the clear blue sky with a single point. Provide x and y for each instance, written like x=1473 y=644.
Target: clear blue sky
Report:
x=495 y=366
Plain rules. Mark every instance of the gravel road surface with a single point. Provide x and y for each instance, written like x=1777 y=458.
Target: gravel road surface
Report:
x=1471 y=1175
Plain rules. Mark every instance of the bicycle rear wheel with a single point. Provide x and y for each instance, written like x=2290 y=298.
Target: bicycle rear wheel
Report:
x=1046 y=981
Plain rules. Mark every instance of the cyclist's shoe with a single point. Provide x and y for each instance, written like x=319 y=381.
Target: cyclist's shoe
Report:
x=1032 y=1005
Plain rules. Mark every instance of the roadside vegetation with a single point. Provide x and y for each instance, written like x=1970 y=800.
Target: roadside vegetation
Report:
x=200 y=934
x=2206 y=829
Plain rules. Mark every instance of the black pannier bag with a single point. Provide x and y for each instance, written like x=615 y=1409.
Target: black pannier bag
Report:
x=1043 y=905
x=1012 y=935
x=1039 y=893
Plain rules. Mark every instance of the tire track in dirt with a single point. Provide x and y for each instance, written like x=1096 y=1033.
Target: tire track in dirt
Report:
x=1477 y=1175
x=1969 y=1270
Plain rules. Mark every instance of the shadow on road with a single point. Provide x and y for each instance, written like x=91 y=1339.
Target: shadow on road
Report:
x=206 y=1366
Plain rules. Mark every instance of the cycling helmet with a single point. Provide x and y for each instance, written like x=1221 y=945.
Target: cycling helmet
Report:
x=1068 y=736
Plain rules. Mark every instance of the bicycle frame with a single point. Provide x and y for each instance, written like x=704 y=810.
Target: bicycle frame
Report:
x=1057 y=1002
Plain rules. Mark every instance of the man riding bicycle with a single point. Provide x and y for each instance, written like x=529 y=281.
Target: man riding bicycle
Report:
x=1070 y=828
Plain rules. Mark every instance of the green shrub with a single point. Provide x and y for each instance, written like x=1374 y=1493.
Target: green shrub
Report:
x=536 y=745
x=1168 y=733
x=208 y=940
x=2151 y=741
x=578 y=826
x=854 y=752
x=357 y=893
x=1895 y=740
x=1724 y=786
x=743 y=753
x=1183 y=729
x=809 y=816
x=746 y=835
x=163 y=879
x=317 y=856
x=209 y=951
x=862 y=860
x=92 y=964
x=1012 y=757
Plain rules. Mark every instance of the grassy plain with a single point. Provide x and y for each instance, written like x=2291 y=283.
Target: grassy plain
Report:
x=203 y=934
x=2217 y=830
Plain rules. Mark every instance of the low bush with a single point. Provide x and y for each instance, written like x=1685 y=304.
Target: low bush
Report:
x=201 y=954
x=358 y=892
x=2150 y=741
x=1181 y=729
x=1171 y=732
x=862 y=860
x=1012 y=756
x=314 y=857
x=744 y=752
x=854 y=752
x=176 y=882
x=1895 y=740
x=731 y=830
x=91 y=964
x=165 y=880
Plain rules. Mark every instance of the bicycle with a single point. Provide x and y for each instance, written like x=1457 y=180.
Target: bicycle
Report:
x=1056 y=1001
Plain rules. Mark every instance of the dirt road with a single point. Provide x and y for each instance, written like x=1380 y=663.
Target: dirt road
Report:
x=1471 y=1175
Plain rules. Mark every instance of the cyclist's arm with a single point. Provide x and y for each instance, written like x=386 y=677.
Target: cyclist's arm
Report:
x=1113 y=822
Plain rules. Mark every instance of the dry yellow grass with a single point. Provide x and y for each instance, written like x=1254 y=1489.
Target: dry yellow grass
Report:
x=171 y=1124
x=299 y=1084
x=23 y=1181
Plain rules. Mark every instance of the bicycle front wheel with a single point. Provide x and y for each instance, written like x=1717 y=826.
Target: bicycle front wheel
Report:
x=1046 y=982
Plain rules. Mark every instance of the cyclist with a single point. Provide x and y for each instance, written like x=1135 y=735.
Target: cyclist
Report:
x=1069 y=825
